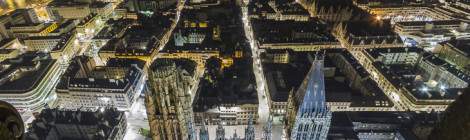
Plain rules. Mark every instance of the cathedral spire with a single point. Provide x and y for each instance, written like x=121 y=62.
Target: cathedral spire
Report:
x=313 y=116
x=235 y=136
x=313 y=89
x=267 y=131
x=250 y=130
x=203 y=133
x=220 y=132
x=191 y=132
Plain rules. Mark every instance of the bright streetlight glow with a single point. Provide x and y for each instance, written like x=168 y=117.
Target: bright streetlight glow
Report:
x=443 y=87
x=424 y=89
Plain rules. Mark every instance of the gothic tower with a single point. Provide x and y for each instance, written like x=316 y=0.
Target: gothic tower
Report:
x=220 y=132
x=191 y=132
x=267 y=131
x=250 y=130
x=203 y=133
x=312 y=119
x=168 y=101
x=179 y=39
x=235 y=136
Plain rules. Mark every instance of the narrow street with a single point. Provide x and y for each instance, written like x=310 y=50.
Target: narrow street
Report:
x=136 y=119
x=263 y=109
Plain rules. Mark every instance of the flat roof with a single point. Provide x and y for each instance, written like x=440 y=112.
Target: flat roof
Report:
x=270 y=31
x=235 y=87
x=259 y=7
x=282 y=78
x=65 y=3
x=137 y=35
x=370 y=27
x=113 y=27
x=336 y=91
x=354 y=63
x=462 y=45
x=27 y=80
x=341 y=127
x=5 y=41
x=64 y=39
x=291 y=8
x=372 y=96
x=434 y=22
x=71 y=82
x=403 y=75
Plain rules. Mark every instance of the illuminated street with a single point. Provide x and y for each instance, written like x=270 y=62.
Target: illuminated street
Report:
x=263 y=108
x=137 y=119
x=257 y=69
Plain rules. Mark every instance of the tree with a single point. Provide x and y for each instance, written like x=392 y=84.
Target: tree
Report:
x=455 y=124
x=214 y=70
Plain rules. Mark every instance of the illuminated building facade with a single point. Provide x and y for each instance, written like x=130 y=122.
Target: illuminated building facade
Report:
x=65 y=26
x=416 y=26
x=89 y=26
x=331 y=10
x=60 y=47
x=86 y=85
x=411 y=13
x=432 y=32
x=68 y=12
x=25 y=85
x=24 y=16
x=358 y=35
x=4 y=21
x=70 y=9
x=65 y=49
x=457 y=53
x=28 y=30
x=9 y=48
x=41 y=43
x=414 y=79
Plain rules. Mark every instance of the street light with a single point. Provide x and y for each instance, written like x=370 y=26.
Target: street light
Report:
x=443 y=87
x=424 y=89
